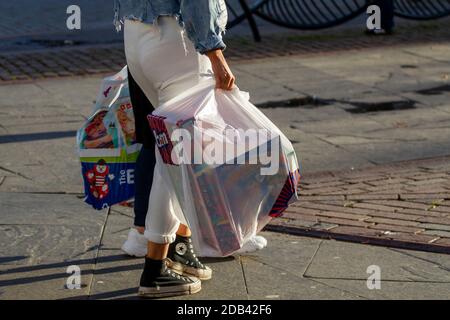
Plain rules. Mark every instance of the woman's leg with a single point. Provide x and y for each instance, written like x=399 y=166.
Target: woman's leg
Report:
x=136 y=244
x=143 y=49
x=146 y=160
x=161 y=223
x=158 y=62
x=166 y=228
x=145 y=165
x=184 y=70
x=184 y=231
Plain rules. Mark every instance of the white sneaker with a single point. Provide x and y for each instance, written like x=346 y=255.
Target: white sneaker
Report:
x=253 y=244
x=136 y=244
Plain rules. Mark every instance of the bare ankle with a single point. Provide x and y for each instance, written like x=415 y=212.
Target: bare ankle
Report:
x=184 y=231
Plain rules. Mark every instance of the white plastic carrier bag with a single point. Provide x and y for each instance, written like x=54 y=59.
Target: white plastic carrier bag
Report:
x=107 y=145
x=232 y=170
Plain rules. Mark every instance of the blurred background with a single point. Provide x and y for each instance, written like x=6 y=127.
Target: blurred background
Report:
x=28 y=24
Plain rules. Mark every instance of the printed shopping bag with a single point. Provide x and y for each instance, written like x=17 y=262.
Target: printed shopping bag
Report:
x=107 y=145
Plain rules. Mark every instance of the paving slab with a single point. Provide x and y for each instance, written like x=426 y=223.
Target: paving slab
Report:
x=48 y=243
x=393 y=290
x=42 y=235
x=266 y=282
x=46 y=283
x=116 y=275
x=348 y=261
x=48 y=210
x=286 y=253
x=438 y=53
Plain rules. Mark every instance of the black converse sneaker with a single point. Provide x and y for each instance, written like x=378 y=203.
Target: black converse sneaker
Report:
x=182 y=259
x=159 y=281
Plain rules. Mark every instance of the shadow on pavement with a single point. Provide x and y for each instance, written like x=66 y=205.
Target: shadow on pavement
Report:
x=32 y=279
x=112 y=258
x=14 y=138
x=11 y=259
x=91 y=271
x=114 y=295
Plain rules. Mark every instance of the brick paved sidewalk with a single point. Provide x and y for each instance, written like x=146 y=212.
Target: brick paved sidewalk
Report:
x=80 y=60
x=405 y=205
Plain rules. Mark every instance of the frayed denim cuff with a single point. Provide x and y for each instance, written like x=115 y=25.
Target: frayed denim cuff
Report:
x=213 y=43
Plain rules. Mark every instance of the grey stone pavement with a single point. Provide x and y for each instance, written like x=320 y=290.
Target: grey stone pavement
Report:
x=342 y=110
x=45 y=226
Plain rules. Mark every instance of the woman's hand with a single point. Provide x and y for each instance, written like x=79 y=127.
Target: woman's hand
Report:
x=224 y=77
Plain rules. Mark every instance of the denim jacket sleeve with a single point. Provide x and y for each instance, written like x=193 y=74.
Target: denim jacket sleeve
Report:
x=205 y=22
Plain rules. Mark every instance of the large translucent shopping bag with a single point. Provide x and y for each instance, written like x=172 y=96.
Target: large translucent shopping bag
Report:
x=107 y=145
x=231 y=168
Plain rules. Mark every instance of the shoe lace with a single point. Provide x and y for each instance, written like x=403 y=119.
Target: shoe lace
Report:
x=195 y=259
x=176 y=275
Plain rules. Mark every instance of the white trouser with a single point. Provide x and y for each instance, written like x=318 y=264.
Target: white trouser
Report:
x=164 y=63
